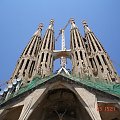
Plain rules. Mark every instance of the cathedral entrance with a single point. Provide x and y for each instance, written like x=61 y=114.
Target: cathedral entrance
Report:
x=60 y=104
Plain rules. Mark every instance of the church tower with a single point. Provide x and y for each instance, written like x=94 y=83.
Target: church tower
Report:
x=90 y=91
x=101 y=64
x=25 y=68
x=78 y=52
x=45 y=57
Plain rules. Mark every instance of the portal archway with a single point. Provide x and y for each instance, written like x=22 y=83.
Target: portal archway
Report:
x=60 y=104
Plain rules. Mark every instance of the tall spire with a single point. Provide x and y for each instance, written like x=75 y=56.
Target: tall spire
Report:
x=101 y=64
x=27 y=61
x=80 y=65
x=45 y=57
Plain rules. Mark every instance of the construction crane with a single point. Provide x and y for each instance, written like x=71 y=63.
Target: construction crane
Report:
x=63 y=48
x=63 y=29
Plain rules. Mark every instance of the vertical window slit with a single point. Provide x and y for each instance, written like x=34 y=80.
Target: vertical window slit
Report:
x=31 y=68
x=36 y=49
x=81 y=56
x=21 y=64
x=50 y=60
x=47 y=57
x=52 y=43
x=104 y=59
x=96 y=42
x=49 y=42
x=45 y=40
x=76 y=55
x=27 y=64
x=91 y=62
x=32 y=47
x=77 y=38
x=98 y=59
x=74 y=40
x=92 y=43
x=42 y=57
x=29 y=46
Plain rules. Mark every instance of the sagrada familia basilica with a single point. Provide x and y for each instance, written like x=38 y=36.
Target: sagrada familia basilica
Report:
x=89 y=91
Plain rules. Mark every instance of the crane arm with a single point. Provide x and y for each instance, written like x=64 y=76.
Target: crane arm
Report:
x=61 y=30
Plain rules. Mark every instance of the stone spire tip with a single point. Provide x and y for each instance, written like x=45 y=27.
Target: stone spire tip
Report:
x=40 y=26
x=51 y=21
x=51 y=24
x=84 y=23
x=39 y=29
x=72 y=21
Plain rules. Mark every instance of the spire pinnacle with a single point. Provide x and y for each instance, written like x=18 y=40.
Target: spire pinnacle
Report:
x=86 y=28
x=51 y=24
x=84 y=23
x=72 y=23
x=39 y=29
x=40 y=26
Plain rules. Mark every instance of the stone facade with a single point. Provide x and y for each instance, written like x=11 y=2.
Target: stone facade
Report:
x=86 y=53
x=45 y=56
x=101 y=64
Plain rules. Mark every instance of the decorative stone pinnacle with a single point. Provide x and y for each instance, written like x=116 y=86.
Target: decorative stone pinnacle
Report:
x=84 y=23
x=72 y=23
x=39 y=29
x=40 y=26
x=52 y=21
x=51 y=24
x=72 y=20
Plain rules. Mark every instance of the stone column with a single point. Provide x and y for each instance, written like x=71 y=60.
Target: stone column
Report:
x=89 y=101
x=29 y=102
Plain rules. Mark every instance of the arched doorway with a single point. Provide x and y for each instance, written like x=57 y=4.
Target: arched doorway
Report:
x=60 y=104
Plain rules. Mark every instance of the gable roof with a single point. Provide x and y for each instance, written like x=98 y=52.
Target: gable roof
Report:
x=109 y=88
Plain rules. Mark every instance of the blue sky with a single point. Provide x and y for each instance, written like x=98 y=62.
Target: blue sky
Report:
x=20 y=18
